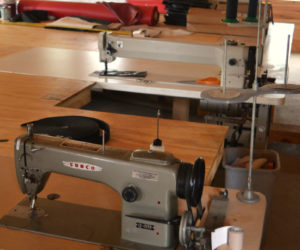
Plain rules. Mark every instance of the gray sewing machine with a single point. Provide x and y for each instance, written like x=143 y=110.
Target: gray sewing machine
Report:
x=149 y=183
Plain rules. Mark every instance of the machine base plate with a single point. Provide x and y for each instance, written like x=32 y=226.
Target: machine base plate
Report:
x=70 y=221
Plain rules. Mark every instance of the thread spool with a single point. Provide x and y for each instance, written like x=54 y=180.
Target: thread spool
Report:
x=252 y=11
x=5 y=13
x=235 y=238
x=231 y=12
x=8 y=9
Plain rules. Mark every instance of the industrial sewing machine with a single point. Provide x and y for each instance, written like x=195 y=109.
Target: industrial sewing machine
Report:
x=113 y=46
x=235 y=59
x=149 y=183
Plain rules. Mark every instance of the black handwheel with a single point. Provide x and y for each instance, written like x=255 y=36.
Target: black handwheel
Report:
x=197 y=181
x=190 y=181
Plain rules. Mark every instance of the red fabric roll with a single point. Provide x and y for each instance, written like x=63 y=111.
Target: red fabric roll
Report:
x=125 y=13
x=149 y=15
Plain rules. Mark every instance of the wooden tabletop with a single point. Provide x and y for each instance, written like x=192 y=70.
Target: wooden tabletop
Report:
x=163 y=76
x=25 y=98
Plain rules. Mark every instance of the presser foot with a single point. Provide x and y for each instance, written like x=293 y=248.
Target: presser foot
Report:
x=33 y=211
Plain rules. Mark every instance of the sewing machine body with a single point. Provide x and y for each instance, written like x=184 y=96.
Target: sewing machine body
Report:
x=148 y=214
x=112 y=46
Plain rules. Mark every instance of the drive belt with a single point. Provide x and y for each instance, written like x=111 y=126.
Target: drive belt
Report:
x=79 y=128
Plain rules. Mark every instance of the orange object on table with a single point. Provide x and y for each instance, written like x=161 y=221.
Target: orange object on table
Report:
x=209 y=81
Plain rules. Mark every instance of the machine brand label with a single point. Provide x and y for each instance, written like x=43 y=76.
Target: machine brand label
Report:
x=145 y=226
x=143 y=175
x=82 y=166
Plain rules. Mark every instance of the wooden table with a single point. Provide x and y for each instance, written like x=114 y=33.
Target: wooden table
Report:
x=25 y=98
x=164 y=78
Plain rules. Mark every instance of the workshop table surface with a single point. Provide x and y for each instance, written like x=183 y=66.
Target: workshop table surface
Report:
x=166 y=78
x=25 y=98
x=18 y=38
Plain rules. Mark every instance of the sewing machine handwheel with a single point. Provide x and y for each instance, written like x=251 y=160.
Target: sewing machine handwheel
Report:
x=190 y=181
x=197 y=180
x=185 y=232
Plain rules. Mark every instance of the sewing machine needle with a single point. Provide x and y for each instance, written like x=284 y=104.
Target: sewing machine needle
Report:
x=32 y=203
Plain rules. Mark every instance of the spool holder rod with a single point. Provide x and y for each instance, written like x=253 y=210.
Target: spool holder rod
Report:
x=248 y=196
x=287 y=60
x=157 y=123
x=225 y=66
x=103 y=141
x=265 y=21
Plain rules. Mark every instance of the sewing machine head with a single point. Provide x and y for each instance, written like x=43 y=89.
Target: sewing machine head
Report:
x=148 y=182
x=238 y=63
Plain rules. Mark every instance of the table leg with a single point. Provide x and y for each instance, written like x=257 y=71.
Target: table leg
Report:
x=181 y=108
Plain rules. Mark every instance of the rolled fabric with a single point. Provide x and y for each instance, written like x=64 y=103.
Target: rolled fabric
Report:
x=235 y=238
x=149 y=15
x=125 y=13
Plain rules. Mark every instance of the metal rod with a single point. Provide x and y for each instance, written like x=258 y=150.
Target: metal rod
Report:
x=248 y=196
x=252 y=138
x=197 y=229
x=287 y=60
x=255 y=85
x=225 y=66
x=264 y=22
x=157 y=123
x=30 y=129
x=266 y=12
x=103 y=140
